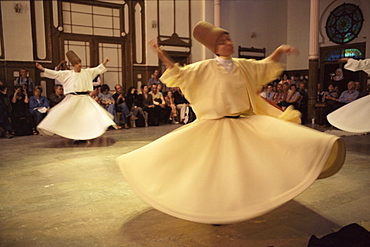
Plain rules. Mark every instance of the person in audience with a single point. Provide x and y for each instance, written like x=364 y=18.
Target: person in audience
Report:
x=38 y=105
x=25 y=81
x=94 y=94
x=19 y=102
x=57 y=96
x=121 y=106
x=296 y=79
x=348 y=95
x=149 y=107
x=270 y=93
x=5 y=112
x=293 y=97
x=78 y=116
x=134 y=103
x=159 y=103
x=170 y=101
x=338 y=79
x=285 y=79
x=108 y=102
x=280 y=96
x=154 y=80
x=182 y=104
x=303 y=106
x=263 y=91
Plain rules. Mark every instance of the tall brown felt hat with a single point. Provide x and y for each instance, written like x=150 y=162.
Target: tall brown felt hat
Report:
x=208 y=34
x=73 y=58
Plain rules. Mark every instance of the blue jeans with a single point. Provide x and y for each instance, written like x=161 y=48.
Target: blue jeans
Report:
x=125 y=112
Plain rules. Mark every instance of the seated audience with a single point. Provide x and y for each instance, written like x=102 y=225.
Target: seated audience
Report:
x=269 y=93
x=187 y=114
x=23 y=121
x=280 y=96
x=121 y=106
x=25 y=81
x=158 y=101
x=293 y=97
x=108 y=102
x=134 y=103
x=285 y=79
x=5 y=112
x=38 y=105
x=303 y=106
x=348 y=95
x=149 y=107
x=170 y=101
x=57 y=96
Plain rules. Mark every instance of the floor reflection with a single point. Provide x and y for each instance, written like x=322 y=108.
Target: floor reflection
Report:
x=102 y=141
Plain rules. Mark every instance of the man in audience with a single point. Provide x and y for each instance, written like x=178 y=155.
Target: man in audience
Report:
x=270 y=93
x=25 y=81
x=57 y=96
x=280 y=96
x=158 y=101
x=349 y=95
x=121 y=106
x=154 y=79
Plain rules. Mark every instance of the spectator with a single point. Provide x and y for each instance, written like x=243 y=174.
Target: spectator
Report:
x=121 y=106
x=154 y=80
x=25 y=81
x=349 y=95
x=170 y=101
x=38 y=105
x=108 y=102
x=5 y=113
x=159 y=103
x=280 y=96
x=57 y=96
x=149 y=107
x=135 y=103
x=294 y=97
x=181 y=104
x=285 y=79
x=23 y=121
x=270 y=93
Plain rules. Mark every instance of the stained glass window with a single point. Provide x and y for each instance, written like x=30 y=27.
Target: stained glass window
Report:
x=338 y=54
x=344 y=23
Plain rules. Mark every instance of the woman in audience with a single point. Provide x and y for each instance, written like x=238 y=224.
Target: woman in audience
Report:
x=19 y=102
x=134 y=102
x=293 y=97
x=170 y=101
x=38 y=105
x=107 y=102
x=149 y=107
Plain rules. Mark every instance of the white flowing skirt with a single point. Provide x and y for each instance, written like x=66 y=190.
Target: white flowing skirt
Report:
x=229 y=170
x=77 y=117
x=353 y=117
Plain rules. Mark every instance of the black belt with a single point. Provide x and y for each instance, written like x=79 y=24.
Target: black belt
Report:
x=79 y=93
x=238 y=116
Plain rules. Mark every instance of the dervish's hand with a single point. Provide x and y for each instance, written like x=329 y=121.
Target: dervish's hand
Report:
x=40 y=67
x=287 y=49
x=343 y=60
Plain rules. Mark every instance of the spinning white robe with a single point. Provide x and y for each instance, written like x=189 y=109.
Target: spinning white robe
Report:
x=355 y=116
x=77 y=117
x=222 y=170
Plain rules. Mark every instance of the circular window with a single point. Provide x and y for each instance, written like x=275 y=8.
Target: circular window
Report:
x=344 y=23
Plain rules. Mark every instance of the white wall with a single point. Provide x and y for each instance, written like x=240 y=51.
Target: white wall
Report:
x=17 y=31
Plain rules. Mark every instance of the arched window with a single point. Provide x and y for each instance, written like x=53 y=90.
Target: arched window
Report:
x=338 y=54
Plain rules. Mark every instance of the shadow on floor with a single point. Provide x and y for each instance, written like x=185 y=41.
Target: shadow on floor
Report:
x=102 y=141
x=289 y=225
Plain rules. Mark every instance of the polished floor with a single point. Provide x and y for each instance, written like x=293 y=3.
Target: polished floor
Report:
x=54 y=193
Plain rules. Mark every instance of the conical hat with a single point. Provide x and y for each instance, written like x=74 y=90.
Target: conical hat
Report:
x=73 y=58
x=208 y=34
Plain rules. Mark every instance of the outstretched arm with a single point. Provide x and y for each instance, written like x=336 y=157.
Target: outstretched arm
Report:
x=105 y=61
x=283 y=49
x=162 y=55
x=40 y=67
